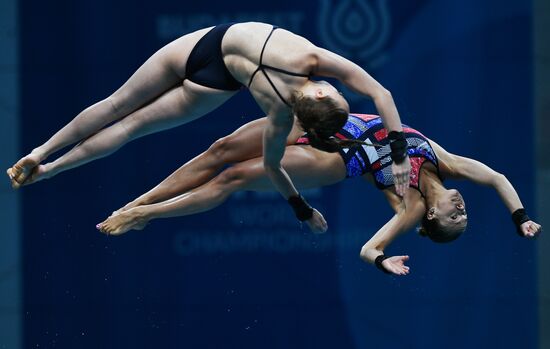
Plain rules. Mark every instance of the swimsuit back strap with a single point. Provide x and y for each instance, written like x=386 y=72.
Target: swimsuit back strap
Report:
x=265 y=44
x=252 y=76
x=265 y=66
x=261 y=56
x=262 y=67
x=275 y=89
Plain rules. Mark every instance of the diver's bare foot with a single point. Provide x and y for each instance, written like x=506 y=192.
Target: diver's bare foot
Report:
x=120 y=223
x=38 y=173
x=127 y=207
x=19 y=172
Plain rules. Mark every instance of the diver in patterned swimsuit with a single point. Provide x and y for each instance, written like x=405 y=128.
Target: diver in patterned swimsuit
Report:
x=441 y=211
x=374 y=156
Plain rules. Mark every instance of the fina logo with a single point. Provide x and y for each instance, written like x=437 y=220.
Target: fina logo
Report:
x=356 y=29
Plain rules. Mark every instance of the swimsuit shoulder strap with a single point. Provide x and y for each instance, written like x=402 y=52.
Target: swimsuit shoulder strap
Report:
x=262 y=67
x=260 y=64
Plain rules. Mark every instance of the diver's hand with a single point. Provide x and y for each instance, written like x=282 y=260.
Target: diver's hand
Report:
x=401 y=175
x=530 y=229
x=317 y=222
x=396 y=265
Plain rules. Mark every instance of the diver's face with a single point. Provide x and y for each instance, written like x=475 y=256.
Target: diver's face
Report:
x=451 y=210
x=322 y=89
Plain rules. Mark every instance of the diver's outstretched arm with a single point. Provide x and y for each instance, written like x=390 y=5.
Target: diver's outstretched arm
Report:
x=332 y=65
x=409 y=212
x=275 y=134
x=460 y=167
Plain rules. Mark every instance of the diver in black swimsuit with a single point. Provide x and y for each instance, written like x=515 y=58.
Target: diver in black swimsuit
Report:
x=198 y=72
x=205 y=65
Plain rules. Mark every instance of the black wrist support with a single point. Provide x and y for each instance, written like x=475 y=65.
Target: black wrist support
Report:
x=398 y=145
x=519 y=217
x=301 y=208
x=378 y=262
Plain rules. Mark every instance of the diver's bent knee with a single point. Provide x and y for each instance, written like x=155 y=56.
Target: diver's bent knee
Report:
x=232 y=176
x=222 y=147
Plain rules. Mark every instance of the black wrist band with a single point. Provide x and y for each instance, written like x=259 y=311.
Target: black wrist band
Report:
x=301 y=208
x=519 y=217
x=378 y=262
x=398 y=145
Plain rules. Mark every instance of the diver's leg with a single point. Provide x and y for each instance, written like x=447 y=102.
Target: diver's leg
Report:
x=243 y=144
x=308 y=168
x=175 y=107
x=162 y=71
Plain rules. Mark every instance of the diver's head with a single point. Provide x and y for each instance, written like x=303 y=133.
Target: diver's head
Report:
x=446 y=220
x=321 y=111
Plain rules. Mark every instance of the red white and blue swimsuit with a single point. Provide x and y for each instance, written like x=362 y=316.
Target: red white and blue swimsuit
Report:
x=376 y=160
